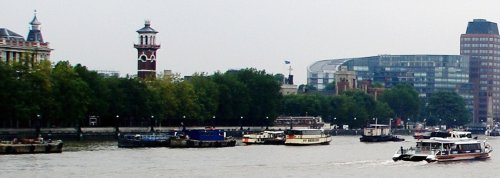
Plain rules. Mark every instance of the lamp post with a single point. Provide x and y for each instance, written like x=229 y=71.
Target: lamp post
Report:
x=117 y=125
x=241 y=122
x=354 y=122
x=335 y=121
x=152 y=123
x=213 y=121
x=455 y=122
x=38 y=124
x=182 y=123
x=267 y=122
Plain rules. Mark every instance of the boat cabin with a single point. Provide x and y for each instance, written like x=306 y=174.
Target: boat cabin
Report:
x=304 y=132
x=204 y=134
x=377 y=130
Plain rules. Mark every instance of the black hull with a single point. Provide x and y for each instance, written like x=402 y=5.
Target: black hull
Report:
x=268 y=142
x=407 y=157
x=139 y=144
x=188 y=143
x=380 y=139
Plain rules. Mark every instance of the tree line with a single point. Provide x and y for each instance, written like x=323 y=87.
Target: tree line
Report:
x=62 y=95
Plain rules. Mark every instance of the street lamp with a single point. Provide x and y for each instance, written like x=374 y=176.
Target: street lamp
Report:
x=152 y=123
x=38 y=124
x=213 y=121
x=335 y=121
x=241 y=122
x=267 y=122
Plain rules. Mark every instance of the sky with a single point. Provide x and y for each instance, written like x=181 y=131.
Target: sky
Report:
x=217 y=35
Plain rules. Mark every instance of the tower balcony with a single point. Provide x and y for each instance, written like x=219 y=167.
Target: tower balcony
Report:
x=146 y=46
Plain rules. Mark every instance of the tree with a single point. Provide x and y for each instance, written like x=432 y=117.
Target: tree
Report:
x=71 y=95
x=403 y=100
x=206 y=95
x=449 y=108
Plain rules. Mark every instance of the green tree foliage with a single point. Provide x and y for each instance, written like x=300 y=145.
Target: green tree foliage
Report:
x=71 y=96
x=448 y=107
x=403 y=100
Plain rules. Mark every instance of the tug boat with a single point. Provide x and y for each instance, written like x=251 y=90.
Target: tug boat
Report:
x=307 y=137
x=144 y=140
x=378 y=133
x=265 y=137
x=30 y=146
x=202 y=138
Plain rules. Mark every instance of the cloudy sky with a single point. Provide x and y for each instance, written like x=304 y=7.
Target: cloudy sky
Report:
x=217 y=35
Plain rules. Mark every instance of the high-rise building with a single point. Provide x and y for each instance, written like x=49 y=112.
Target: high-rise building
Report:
x=14 y=48
x=481 y=43
x=146 y=51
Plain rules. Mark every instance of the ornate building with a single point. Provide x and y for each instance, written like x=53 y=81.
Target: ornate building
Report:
x=14 y=48
x=146 y=51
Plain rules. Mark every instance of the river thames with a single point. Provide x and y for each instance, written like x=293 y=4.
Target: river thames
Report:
x=344 y=157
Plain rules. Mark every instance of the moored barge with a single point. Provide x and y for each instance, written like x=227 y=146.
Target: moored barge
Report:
x=30 y=146
x=202 y=138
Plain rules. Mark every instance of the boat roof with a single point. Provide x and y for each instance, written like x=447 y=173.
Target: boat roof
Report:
x=267 y=131
x=378 y=125
x=454 y=140
x=306 y=129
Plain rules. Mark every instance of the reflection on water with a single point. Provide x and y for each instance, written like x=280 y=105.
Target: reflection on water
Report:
x=344 y=157
x=71 y=146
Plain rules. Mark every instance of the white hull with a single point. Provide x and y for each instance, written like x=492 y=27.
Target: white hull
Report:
x=308 y=140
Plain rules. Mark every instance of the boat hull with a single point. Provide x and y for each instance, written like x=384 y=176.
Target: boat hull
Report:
x=189 y=143
x=34 y=148
x=380 y=138
x=308 y=141
x=138 y=144
x=457 y=157
x=409 y=157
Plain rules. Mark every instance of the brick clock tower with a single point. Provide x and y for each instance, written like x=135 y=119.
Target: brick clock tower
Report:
x=146 y=51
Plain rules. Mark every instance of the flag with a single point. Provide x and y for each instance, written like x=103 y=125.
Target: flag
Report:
x=287 y=62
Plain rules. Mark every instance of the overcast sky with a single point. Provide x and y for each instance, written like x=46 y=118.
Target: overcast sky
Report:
x=217 y=35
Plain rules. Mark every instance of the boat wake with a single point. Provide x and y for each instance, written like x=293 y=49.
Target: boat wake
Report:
x=376 y=163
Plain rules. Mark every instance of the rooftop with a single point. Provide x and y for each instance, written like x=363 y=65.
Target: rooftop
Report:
x=10 y=35
x=482 y=26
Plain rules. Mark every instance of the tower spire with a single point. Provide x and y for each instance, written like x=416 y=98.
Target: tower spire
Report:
x=35 y=34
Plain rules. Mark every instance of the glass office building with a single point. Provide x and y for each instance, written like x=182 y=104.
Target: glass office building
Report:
x=426 y=73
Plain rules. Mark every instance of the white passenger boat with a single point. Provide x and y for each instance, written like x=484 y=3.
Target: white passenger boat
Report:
x=457 y=147
x=265 y=137
x=307 y=137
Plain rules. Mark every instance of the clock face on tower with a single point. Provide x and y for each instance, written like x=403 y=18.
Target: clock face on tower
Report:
x=146 y=51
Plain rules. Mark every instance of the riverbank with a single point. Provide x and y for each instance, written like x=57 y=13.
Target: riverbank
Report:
x=108 y=133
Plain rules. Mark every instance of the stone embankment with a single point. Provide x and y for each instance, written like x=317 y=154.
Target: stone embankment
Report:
x=96 y=133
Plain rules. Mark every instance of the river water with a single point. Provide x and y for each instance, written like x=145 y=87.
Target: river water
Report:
x=344 y=157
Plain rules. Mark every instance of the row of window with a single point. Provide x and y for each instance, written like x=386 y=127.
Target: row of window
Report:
x=475 y=51
x=449 y=80
x=481 y=45
x=481 y=39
